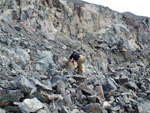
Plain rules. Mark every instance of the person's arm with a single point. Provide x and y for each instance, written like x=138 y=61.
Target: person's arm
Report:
x=70 y=58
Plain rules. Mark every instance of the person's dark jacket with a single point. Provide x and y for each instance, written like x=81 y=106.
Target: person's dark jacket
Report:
x=75 y=56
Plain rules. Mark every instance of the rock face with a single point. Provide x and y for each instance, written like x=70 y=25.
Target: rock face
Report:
x=36 y=40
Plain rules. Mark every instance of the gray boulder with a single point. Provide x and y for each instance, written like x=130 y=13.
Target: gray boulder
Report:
x=29 y=105
x=109 y=85
x=131 y=85
x=13 y=109
x=43 y=59
x=86 y=88
x=21 y=83
x=93 y=108
x=9 y=96
x=39 y=96
x=79 y=77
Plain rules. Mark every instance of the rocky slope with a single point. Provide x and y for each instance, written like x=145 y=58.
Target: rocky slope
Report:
x=38 y=36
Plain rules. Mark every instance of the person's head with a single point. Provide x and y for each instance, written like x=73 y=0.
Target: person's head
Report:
x=74 y=51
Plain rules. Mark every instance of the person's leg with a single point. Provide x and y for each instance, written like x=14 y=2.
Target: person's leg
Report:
x=80 y=62
x=80 y=68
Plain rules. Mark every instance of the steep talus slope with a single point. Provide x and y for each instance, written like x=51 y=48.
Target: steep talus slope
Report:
x=38 y=36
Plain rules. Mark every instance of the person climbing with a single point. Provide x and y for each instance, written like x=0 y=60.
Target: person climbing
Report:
x=120 y=46
x=80 y=59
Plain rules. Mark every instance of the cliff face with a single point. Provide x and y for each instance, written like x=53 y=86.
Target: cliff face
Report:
x=38 y=36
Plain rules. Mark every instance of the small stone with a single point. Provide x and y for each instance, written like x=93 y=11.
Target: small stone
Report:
x=143 y=88
x=141 y=94
x=79 y=77
x=86 y=89
x=124 y=79
x=65 y=110
x=110 y=93
x=100 y=92
x=116 y=108
x=139 y=63
x=92 y=98
x=106 y=105
x=116 y=78
x=109 y=85
x=72 y=90
x=148 y=96
x=76 y=111
x=67 y=99
x=120 y=68
x=148 y=91
x=61 y=87
x=134 y=102
x=13 y=109
x=93 y=108
x=39 y=96
x=131 y=85
x=43 y=87
x=50 y=97
x=71 y=80
x=129 y=108
x=126 y=99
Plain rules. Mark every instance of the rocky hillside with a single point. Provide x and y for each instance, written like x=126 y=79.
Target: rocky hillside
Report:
x=36 y=40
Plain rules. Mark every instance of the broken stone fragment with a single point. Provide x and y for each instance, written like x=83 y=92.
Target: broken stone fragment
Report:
x=67 y=99
x=51 y=97
x=9 y=96
x=85 y=88
x=142 y=94
x=60 y=88
x=12 y=108
x=39 y=96
x=79 y=77
x=143 y=88
x=106 y=105
x=29 y=105
x=110 y=93
x=126 y=99
x=100 y=92
x=116 y=108
x=65 y=110
x=124 y=79
x=131 y=85
x=43 y=87
x=109 y=85
x=21 y=83
x=93 y=108
x=92 y=98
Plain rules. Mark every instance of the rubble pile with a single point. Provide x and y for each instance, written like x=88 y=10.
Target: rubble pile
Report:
x=38 y=36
